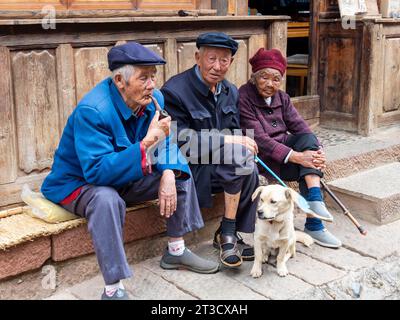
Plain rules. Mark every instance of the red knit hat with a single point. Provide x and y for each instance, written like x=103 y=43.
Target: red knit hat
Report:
x=268 y=59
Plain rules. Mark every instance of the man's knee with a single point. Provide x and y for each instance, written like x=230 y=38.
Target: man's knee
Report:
x=106 y=197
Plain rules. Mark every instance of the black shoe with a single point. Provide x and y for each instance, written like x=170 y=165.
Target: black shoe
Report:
x=247 y=251
x=120 y=294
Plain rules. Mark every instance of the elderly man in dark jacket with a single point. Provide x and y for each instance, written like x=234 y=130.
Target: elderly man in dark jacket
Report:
x=200 y=99
x=296 y=155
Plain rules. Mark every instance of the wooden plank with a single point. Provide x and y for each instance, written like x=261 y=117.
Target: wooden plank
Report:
x=338 y=120
x=391 y=63
x=31 y=4
x=340 y=86
x=242 y=8
x=171 y=55
x=222 y=7
x=101 y=13
x=90 y=36
x=166 y=4
x=158 y=49
x=203 y=4
x=66 y=83
x=102 y=4
x=238 y=71
x=372 y=77
x=256 y=42
x=277 y=38
x=8 y=155
x=91 y=66
x=10 y=194
x=186 y=52
x=35 y=83
x=389 y=118
x=307 y=106
x=313 y=49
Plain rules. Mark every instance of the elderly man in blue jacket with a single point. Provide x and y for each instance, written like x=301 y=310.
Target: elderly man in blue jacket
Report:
x=115 y=150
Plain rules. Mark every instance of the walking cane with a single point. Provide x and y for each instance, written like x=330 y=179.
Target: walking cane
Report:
x=344 y=209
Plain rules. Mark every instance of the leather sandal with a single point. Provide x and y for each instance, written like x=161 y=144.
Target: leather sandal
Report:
x=224 y=254
x=246 y=251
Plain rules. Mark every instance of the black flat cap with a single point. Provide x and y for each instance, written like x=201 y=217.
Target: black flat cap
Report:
x=132 y=53
x=217 y=39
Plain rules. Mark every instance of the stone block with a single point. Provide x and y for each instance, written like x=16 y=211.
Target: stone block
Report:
x=24 y=257
x=373 y=195
x=71 y=243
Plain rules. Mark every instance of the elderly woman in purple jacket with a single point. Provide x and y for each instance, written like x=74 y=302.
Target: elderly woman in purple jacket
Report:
x=285 y=141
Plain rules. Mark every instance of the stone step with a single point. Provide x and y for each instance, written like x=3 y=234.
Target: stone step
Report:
x=373 y=194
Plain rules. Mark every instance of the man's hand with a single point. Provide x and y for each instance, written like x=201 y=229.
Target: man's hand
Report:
x=309 y=159
x=244 y=141
x=167 y=194
x=158 y=130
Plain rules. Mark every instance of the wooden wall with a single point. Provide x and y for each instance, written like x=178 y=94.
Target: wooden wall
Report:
x=104 y=4
x=358 y=70
x=44 y=73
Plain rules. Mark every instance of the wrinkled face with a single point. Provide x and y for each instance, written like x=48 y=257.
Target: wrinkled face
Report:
x=213 y=63
x=274 y=202
x=268 y=82
x=138 y=90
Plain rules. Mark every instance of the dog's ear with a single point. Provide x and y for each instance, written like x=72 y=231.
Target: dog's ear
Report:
x=290 y=194
x=256 y=193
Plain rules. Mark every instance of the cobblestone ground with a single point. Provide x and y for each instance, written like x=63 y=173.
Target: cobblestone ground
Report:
x=329 y=137
x=380 y=282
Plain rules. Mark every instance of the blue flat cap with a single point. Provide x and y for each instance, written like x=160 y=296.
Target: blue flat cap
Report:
x=217 y=39
x=132 y=53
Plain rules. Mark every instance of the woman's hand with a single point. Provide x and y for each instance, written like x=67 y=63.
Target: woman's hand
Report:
x=309 y=159
x=167 y=195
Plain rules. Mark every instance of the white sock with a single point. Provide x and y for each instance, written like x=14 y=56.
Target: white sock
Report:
x=176 y=248
x=110 y=289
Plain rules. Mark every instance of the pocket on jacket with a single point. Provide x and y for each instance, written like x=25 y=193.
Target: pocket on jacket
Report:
x=201 y=120
x=227 y=109
x=230 y=117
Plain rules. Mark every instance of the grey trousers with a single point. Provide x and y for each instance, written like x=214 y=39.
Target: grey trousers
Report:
x=105 y=208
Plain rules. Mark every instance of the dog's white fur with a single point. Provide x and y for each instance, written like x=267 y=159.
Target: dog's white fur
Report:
x=276 y=229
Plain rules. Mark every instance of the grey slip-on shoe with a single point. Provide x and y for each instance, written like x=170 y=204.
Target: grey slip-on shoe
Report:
x=324 y=238
x=188 y=260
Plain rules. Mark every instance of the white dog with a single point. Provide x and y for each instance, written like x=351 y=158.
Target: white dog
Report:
x=275 y=227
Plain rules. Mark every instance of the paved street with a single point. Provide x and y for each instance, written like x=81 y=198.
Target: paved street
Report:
x=364 y=268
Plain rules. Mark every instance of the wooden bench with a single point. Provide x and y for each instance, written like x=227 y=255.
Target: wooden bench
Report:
x=26 y=243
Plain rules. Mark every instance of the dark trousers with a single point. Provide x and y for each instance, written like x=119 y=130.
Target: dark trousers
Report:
x=105 y=209
x=295 y=172
x=239 y=175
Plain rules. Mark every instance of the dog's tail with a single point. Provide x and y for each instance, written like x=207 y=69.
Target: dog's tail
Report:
x=304 y=238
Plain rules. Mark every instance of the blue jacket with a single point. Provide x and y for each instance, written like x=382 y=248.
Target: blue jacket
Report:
x=100 y=145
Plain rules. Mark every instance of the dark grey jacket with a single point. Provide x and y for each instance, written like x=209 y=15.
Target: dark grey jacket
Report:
x=190 y=102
